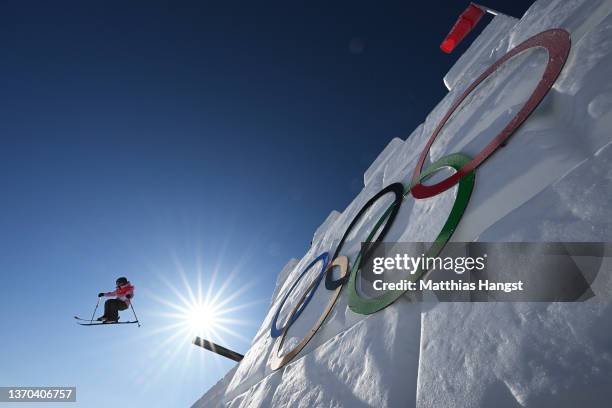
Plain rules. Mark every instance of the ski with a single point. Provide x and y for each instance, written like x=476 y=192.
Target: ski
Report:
x=107 y=324
x=91 y=323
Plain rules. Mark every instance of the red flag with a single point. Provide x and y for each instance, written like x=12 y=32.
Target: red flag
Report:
x=466 y=22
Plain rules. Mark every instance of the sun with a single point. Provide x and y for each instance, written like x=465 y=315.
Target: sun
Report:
x=193 y=304
x=202 y=318
x=211 y=311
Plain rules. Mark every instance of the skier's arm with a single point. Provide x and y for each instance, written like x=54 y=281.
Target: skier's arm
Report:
x=127 y=291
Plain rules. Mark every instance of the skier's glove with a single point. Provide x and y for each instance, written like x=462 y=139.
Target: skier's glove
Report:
x=101 y=294
x=129 y=296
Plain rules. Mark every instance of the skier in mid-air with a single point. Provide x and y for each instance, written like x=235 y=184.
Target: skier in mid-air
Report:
x=123 y=293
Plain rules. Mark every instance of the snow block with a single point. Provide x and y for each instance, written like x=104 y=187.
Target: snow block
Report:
x=326 y=226
x=576 y=16
x=377 y=167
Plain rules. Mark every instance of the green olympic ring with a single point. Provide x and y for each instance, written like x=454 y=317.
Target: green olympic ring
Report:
x=366 y=306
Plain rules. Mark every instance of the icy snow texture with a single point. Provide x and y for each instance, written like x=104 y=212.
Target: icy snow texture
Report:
x=490 y=46
x=552 y=182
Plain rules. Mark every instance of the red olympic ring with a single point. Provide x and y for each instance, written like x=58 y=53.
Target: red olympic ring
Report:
x=557 y=42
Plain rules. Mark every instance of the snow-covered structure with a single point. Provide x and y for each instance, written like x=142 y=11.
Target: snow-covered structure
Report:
x=551 y=182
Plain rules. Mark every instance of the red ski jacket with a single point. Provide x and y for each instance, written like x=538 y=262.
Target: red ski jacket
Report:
x=123 y=292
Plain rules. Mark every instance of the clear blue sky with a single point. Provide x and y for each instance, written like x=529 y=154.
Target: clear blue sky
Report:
x=142 y=141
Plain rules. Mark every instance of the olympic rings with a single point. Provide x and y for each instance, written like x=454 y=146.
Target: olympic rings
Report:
x=277 y=362
x=274 y=331
x=395 y=188
x=557 y=43
x=466 y=184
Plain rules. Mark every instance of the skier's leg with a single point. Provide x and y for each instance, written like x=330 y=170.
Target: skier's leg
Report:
x=121 y=305
x=114 y=309
x=111 y=309
x=107 y=306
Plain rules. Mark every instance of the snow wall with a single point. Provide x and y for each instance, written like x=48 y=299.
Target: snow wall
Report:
x=551 y=182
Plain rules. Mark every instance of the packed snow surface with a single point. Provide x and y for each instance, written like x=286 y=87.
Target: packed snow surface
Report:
x=551 y=182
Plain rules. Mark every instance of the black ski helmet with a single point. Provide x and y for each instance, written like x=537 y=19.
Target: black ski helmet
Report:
x=121 y=281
